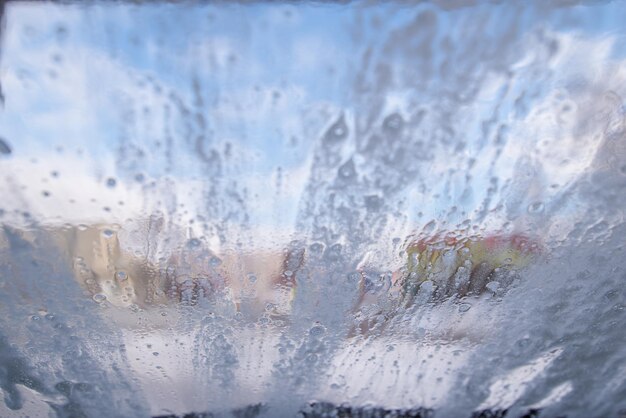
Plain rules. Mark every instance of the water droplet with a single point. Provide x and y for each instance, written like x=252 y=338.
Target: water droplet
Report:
x=288 y=273
x=4 y=147
x=107 y=233
x=464 y=307
x=523 y=342
x=493 y=286
x=338 y=131
x=156 y=353
x=215 y=261
x=611 y=294
x=430 y=226
x=193 y=243
x=139 y=178
x=251 y=277
x=393 y=123
x=373 y=202
x=121 y=276
x=536 y=207
x=45 y=193
x=347 y=170
x=317 y=330
x=311 y=358
x=99 y=297
x=336 y=248
x=354 y=277
x=111 y=182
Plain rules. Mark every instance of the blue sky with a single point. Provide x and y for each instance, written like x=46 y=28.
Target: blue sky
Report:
x=128 y=89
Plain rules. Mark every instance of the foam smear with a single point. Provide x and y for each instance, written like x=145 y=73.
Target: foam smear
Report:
x=226 y=206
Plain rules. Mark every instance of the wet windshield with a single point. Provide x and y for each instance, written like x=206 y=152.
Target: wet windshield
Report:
x=312 y=209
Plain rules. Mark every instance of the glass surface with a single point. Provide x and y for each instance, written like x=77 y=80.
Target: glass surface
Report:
x=273 y=209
